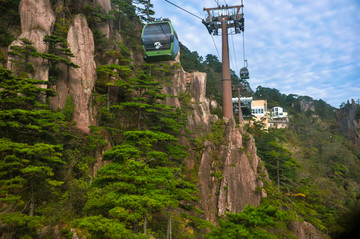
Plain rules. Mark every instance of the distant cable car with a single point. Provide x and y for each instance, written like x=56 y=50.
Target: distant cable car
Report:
x=244 y=73
x=160 y=41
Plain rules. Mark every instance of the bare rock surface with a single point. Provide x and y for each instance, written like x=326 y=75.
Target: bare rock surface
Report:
x=37 y=19
x=82 y=80
x=105 y=4
x=305 y=230
x=36 y=14
x=176 y=87
x=78 y=82
x=104 y=27
x=240 y=178
x=227 y=173
x=306 y=105
x=201 y=116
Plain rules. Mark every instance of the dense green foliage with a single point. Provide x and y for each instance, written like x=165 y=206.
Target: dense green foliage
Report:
x=140 y=182
x=30 y=153
x=20 y=56
x=58 y=53
x=314 y=160
x=265 y=221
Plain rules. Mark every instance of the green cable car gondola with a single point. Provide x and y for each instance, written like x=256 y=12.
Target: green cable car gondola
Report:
x=160 y=41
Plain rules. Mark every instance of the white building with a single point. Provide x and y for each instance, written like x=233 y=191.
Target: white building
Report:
x=278 y=118
x=278 y=112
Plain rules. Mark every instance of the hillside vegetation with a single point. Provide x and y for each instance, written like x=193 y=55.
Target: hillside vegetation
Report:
x=48 y=185
x=316 y=167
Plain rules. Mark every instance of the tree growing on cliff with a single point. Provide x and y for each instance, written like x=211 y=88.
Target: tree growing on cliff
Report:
x=111 y=75
x=9 y=18
x=125 y=15
x=280 y=164
x=135 y=191
x=265 y=221
x=29 y=154
x=191 y=61
x=148 y=108
x=213 y=62
x=136 y=184
x=141 y=181
x=20 y=56
x=59 y=52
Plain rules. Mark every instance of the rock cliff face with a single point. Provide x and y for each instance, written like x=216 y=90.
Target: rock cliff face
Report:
x=305 y=230
x=350 y=125
x=306 y=105
x=228 y=175
x=82 y=80
x=200 y=116
x=104 y=27
x=36 y=14
x=227 y=172
x=78 y=82
x=37 y=20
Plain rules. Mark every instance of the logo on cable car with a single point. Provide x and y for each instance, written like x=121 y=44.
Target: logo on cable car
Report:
x=157 y=45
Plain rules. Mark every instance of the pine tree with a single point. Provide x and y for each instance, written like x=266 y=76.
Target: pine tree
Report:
x=59 y=52
x=141 y=179
x=109 y=75
x=123 y=9
x=265 y=221
x=22 y=116
x=280 y=164
x=20 y=56
x=144 y=11
x=135 y=184
x=28 y=151
x=147 y=106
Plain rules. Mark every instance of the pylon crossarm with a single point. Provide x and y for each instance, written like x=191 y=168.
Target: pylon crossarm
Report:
x=223 y=13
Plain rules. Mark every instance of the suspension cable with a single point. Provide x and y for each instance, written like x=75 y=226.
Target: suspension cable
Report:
x=212 y=37
x=236 y=63
x=230 y=53
x=231 y=60
x=183 y=9
x=198 y=18
x=243 y=35
x=244 y=48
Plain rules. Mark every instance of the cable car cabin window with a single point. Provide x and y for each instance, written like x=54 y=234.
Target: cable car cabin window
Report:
x=176 y=45
x=156 y=37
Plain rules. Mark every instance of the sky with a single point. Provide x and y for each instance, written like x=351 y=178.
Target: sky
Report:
x=307 y=47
